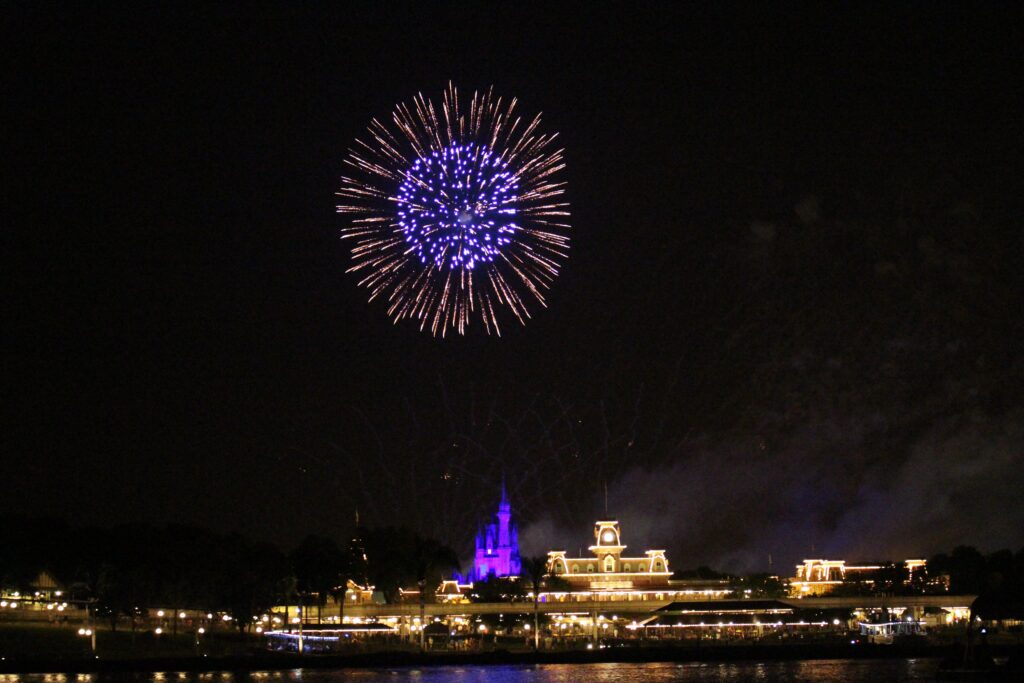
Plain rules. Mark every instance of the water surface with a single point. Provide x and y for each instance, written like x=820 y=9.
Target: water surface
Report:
x=845 y=670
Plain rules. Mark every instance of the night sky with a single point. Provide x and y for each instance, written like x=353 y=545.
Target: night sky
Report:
x=790 y=323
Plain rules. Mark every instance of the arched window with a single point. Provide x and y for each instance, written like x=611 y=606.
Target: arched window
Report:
x=626 y=567
x=575 y=569
x=590 y=568
x=609 y=563
x=658 y=566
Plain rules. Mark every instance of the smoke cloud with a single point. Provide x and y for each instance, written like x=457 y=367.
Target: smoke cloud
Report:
x=824 y=491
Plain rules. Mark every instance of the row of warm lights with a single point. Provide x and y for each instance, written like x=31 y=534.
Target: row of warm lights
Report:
x=733 y=625
x=580 y=596
x=227 y=617
x=562 y=622
x=584 y=620
x=159 y=631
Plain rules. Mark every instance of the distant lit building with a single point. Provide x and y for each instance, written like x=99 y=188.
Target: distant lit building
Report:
x=820 y=577
x=607 y=569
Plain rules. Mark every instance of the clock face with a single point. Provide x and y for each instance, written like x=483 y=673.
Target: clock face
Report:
x=609 y=536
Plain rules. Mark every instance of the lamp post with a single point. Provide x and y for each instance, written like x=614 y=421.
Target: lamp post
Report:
x=92 y=627
x=423 y=612
x=89 y=630
x=87 y=633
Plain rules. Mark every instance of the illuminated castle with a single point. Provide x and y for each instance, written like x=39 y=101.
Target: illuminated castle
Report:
x=497 y=545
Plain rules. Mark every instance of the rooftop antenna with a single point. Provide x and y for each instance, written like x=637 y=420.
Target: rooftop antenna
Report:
x=357 y=516
x=606 y=499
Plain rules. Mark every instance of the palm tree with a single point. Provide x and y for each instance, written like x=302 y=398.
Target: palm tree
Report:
x=287 y=588
x=535 y=569
x=339 y=591
x=431 y=560
x=317 y=562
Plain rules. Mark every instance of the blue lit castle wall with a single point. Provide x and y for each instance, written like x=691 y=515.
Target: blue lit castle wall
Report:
x=497 y=545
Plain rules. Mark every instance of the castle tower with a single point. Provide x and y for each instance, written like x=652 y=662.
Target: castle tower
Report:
x=497 y=544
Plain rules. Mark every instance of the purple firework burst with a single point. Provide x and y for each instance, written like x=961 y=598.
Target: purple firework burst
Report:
x=458 y=214
x=458 y=206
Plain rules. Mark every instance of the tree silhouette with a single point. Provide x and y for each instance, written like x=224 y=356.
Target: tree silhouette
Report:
x=535 y=568
x=431 y=560
x=317 y=564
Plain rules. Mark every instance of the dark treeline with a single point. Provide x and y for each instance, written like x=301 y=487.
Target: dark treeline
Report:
x=128 y=568
x=997 y=578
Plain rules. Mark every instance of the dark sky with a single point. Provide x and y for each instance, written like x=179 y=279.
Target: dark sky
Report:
x=790 y=320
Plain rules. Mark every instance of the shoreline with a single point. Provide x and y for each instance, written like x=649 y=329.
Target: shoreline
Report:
x=280 y=661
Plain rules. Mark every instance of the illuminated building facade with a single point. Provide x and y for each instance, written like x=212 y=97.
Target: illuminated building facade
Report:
x=497 y=545
x=607 y=569
x=820 y=577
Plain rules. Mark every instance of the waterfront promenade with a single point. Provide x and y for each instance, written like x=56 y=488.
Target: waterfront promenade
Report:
x=636 y=607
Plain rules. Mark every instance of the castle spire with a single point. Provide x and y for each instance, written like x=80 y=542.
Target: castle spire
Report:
x=497 y=543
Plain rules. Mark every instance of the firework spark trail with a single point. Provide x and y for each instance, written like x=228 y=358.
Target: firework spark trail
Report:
x=554 y=456
x=444 y=194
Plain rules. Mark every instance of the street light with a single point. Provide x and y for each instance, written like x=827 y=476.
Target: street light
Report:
x=90 y=606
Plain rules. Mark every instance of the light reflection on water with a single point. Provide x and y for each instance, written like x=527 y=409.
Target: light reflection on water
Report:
x=847 y=671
